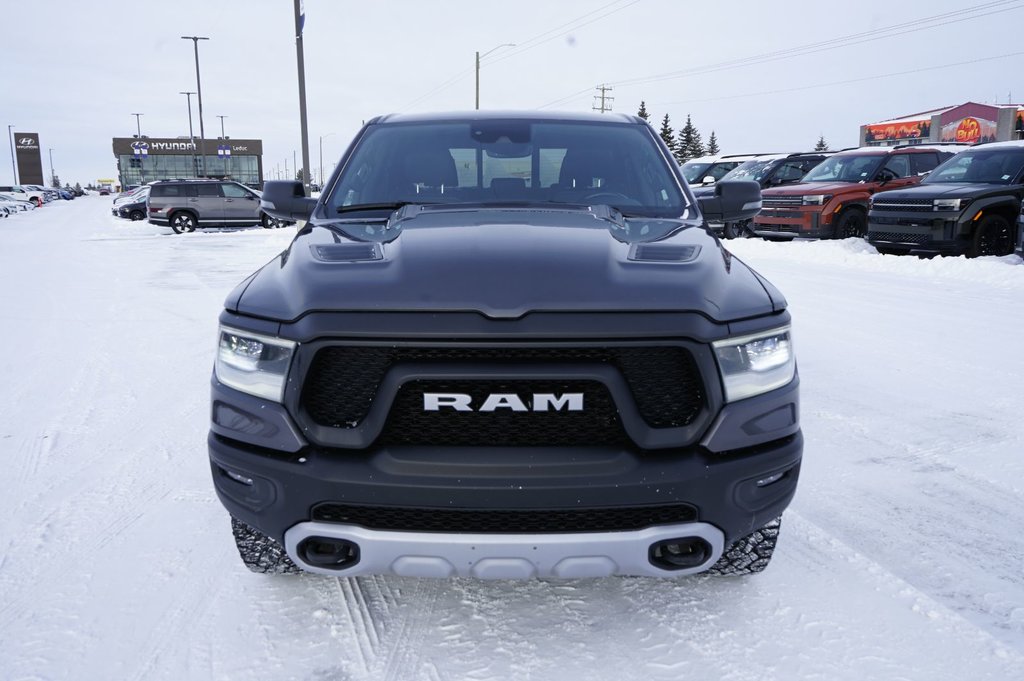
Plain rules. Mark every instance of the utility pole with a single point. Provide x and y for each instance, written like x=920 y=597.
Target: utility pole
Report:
x=191 y=136
x=606 y=101
x=322 y=159
x=199 y=91
x=14 y=171
x=304 y=178
x=300 y=20
x=478 y=58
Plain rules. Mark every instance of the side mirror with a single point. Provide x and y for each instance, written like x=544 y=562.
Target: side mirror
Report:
x=286 y=200
x=708 y=179
x=733 y=200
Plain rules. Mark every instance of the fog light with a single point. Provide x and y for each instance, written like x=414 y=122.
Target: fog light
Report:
x=238 y=477
x=679 y=554
x=329 y=553
x=775 y=477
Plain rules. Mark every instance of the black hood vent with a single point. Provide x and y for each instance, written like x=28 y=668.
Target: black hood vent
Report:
x=353 y=252
x=663 y=252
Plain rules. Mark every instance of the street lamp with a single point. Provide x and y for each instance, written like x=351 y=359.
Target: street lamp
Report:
x=199 y=90
x=222 y=126
x=227 y=166
x=138 y=126
x=10 y=137
x=142 y=159
x=322 y=158
x=478 y=58
x=191 y=136
x=52 y=176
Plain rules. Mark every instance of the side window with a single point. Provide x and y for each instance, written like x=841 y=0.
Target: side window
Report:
x=923 y=163
x=791 y=170
x=719 y=170
x=233 y=191
x=208 y=190
x=899 y=165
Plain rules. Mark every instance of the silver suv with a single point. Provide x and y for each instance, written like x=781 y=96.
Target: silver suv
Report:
x=185 y=205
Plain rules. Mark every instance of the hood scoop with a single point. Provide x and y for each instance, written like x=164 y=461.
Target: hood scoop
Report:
x=654 y=252
x=340 y=253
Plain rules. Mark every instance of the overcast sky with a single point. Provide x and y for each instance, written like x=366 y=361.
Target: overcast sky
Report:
x=76 y=71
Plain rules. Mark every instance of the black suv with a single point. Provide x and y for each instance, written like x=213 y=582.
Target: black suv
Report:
x=968 y=205
x=772 y=170
x=185 y=205
x=505 y=346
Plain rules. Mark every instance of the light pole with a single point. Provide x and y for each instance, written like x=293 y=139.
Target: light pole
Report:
x=322 y=158
x=478 y=58
x=199 y=91
x=10 y=137
x=222 y=126
x=142 y=159
x=138 y=126
x=191 y=137
x=52 y=176
x=224 y=137
x=300 y=19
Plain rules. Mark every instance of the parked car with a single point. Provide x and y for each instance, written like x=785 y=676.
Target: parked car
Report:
x=22 y=193
x=186 y=205
x=130 y=197
x=709 y=169
x=15 y=206
x=104 y=191
x=133 y=208
x=831 y=201
x=771 y=170
x=968 y=205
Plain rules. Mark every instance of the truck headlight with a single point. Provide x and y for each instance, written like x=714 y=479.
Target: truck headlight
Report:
x=816 y=199
x=949 y=204
x=253 y=363
x=755 y=364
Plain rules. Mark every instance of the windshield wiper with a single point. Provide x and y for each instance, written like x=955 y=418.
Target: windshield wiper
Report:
x=377 y=206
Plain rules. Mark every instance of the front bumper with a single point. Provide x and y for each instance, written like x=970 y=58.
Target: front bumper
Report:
x=943 y=233
x=792 y=221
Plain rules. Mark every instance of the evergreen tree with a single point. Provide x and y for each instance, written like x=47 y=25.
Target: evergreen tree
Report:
x=822 y=145
x=666 y=133
x=642 y=113
x=78 y=187
x=689 y=144
x=713 y=147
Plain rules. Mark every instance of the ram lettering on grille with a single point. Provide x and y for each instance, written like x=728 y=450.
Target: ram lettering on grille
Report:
x=539 y=402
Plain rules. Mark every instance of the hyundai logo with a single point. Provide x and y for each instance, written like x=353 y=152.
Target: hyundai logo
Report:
x=26 y=142
x=140 y=145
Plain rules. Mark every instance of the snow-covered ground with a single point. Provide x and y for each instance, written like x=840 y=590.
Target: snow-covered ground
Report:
x=901 y=558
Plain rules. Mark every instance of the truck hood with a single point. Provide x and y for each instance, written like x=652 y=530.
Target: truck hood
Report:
x=505 y=263
x=944 y=189
x=805 y=188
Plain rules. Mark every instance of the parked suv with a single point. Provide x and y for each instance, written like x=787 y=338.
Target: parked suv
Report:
x=185 y=205
x=968 y=205
x=832 y=199
x=769 y=170
x=505 y=346
x=20 y=193
x=706 y=170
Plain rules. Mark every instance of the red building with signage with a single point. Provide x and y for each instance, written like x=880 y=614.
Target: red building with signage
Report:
x=969 y=123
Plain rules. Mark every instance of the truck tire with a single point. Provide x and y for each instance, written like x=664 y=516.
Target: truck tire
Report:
x=851 y=222
x=991 y=236
x=749 y=555
x=259 y=552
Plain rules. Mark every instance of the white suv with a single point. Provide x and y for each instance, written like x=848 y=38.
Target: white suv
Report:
x=19 y=193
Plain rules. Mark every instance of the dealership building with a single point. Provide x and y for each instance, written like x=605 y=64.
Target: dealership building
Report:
x=969 y=123
x=144 y=159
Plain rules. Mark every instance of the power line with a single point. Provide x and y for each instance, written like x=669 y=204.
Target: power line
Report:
x=529 y=44
x=912 y=26
x=604 y=98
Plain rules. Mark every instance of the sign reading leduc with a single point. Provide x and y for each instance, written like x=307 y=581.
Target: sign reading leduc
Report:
x=30 y=159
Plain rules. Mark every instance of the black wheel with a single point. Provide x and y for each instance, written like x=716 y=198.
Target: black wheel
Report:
x=259 y=552
x=183 y=222
x=736 y=230
x=269 y=222
x=851 y=222
x=136 y=215
x=750 y=554
x=992 y=236
x=885 y=250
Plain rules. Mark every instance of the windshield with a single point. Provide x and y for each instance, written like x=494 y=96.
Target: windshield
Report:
x=852 y=168
x=750 y=170
x=990 y=166
x=694 y=172
x=509 y=161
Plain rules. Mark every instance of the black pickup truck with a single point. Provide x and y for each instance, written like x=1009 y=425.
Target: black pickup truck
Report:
x=504 y=346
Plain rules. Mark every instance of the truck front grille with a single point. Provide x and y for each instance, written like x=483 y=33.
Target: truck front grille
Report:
x=343 y=380
x=773 y=201
x=899 y=237
x=614 y=519
x=596 y=424
x=908 y=205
